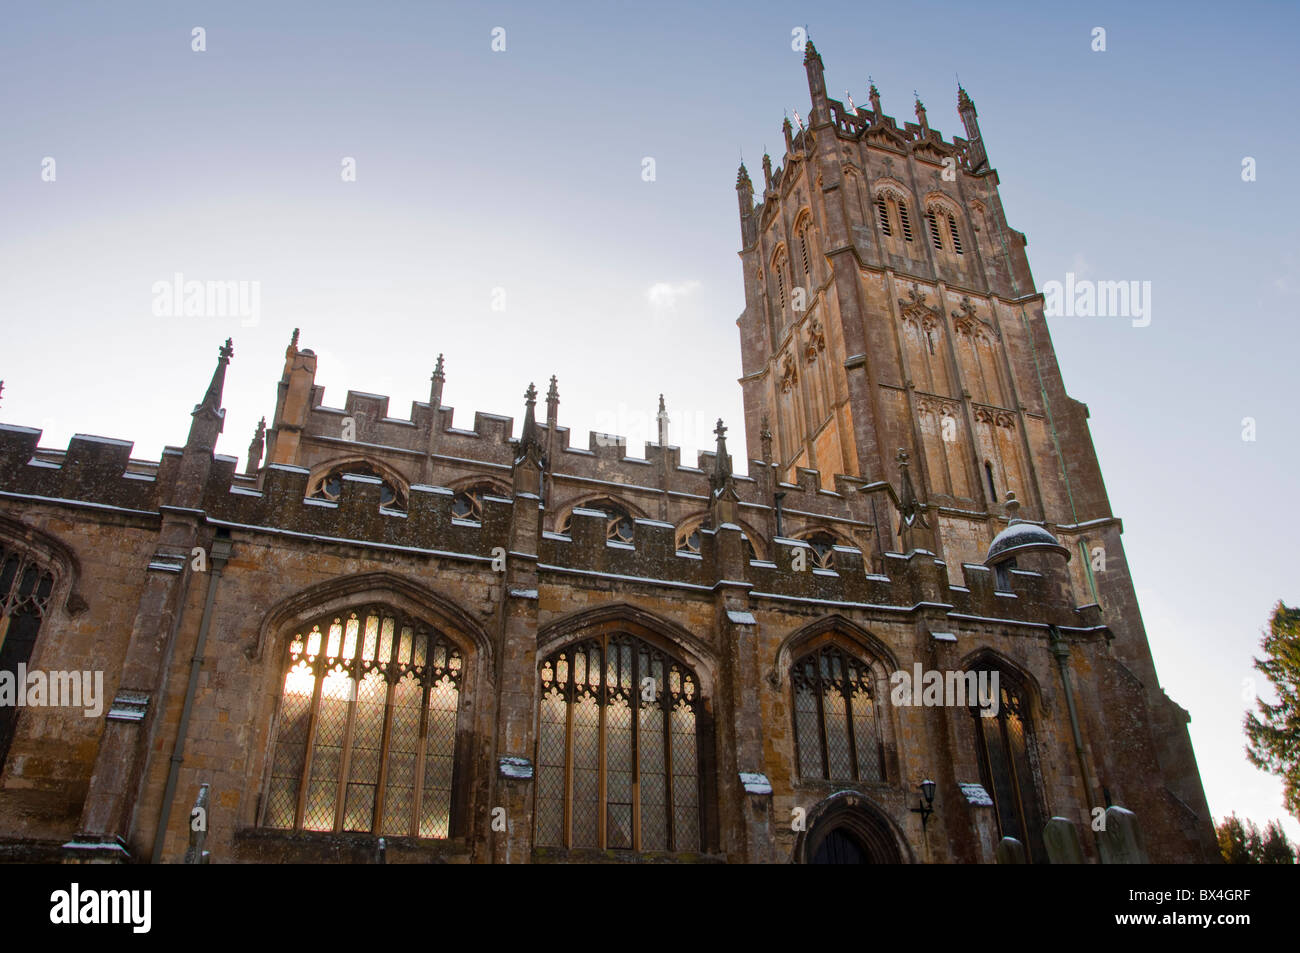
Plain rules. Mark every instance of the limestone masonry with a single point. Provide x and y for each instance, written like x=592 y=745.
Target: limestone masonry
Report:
x=385 y=638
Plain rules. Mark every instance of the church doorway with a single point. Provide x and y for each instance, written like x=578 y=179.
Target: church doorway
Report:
x=848 y=829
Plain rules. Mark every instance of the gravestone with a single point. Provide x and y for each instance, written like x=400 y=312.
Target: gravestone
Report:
x=1121 y=838
x=1061 y=839
x=1010 y=851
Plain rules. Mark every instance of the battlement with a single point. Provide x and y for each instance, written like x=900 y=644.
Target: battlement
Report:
x=99 y=472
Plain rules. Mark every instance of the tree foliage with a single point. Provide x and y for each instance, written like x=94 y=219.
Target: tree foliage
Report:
x=1273 y=734
x=1241 y=843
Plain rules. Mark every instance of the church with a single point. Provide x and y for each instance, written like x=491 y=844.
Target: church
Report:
x=384 y=639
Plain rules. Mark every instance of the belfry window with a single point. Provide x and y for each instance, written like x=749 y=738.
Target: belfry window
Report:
x=904 y=221
x=25 y=588
x=882 y=215
x=956 y=237
x=1004 y=745
x=932 y=221
x=366 y=734
x=836 y=723
x=617 y=752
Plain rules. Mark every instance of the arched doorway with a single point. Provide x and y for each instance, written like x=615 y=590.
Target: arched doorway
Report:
x=841 y=847
x=848 y=829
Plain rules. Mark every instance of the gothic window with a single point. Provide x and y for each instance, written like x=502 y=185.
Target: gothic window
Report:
x=25 y=588
x=778 y=269
x=468 y=503
x=823 y=549
x=993 y=490
x=882 y=214
x=617 y=753
x=836 y=722
x=689 y=542
x=932 y=221
x=884 y=201
x=804 y=242
x=366 y=734
x=1005 y=747
x=904 y=221
x=619 y=524
x=330 y=486
x=956 y=237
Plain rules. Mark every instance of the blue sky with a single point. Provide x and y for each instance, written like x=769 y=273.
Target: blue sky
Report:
x=521 y=171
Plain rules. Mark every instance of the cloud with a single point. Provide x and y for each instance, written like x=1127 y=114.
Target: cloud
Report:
x=664 y=296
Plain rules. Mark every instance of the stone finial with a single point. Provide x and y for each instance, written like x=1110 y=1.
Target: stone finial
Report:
x=874 y=95
x=742 y=179
x=553 y=393
x=529 y=442
x=721 y=476
x=439 y=370
x=920 y=113
x=255 y=448
x=293 y=341
x=964 y=101
x=767 y=172
x=1013 y=508
x=788 y=131
x=663 y=419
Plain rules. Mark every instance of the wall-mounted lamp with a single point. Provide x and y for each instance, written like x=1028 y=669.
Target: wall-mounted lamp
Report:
x=926 y=805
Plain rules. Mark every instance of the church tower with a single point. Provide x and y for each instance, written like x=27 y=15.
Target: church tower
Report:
x=889 y=307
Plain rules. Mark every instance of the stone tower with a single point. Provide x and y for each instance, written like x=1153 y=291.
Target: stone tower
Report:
x=888 y=306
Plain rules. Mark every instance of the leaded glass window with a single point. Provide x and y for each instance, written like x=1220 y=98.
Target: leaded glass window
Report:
x=689 y=542
x=366 y=734
x=836 y=722
x=468 y=503
x=1005 y=749
x=330 y=486
x=25 y=588
x=619 y=524
x=617 y=749
x=823 y=549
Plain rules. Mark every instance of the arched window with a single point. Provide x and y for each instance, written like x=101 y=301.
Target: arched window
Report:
x=805 y=246
x=1005 y=748
x=688 y=541
x=823 y=548
x=25 y=588
x=330 y=486
x=904 y=221
x=366 y=734
x=617 y=757
x=836 y=724
x=778 y=269
x=993 y=490
x=932 y=220
x=882 y=214
x=468 y=503
x=956 y=237
x=619 y=525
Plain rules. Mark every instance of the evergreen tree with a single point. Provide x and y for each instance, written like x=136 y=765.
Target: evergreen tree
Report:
x=1277 y=849
x=1274 y=735
x=1239 y=842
